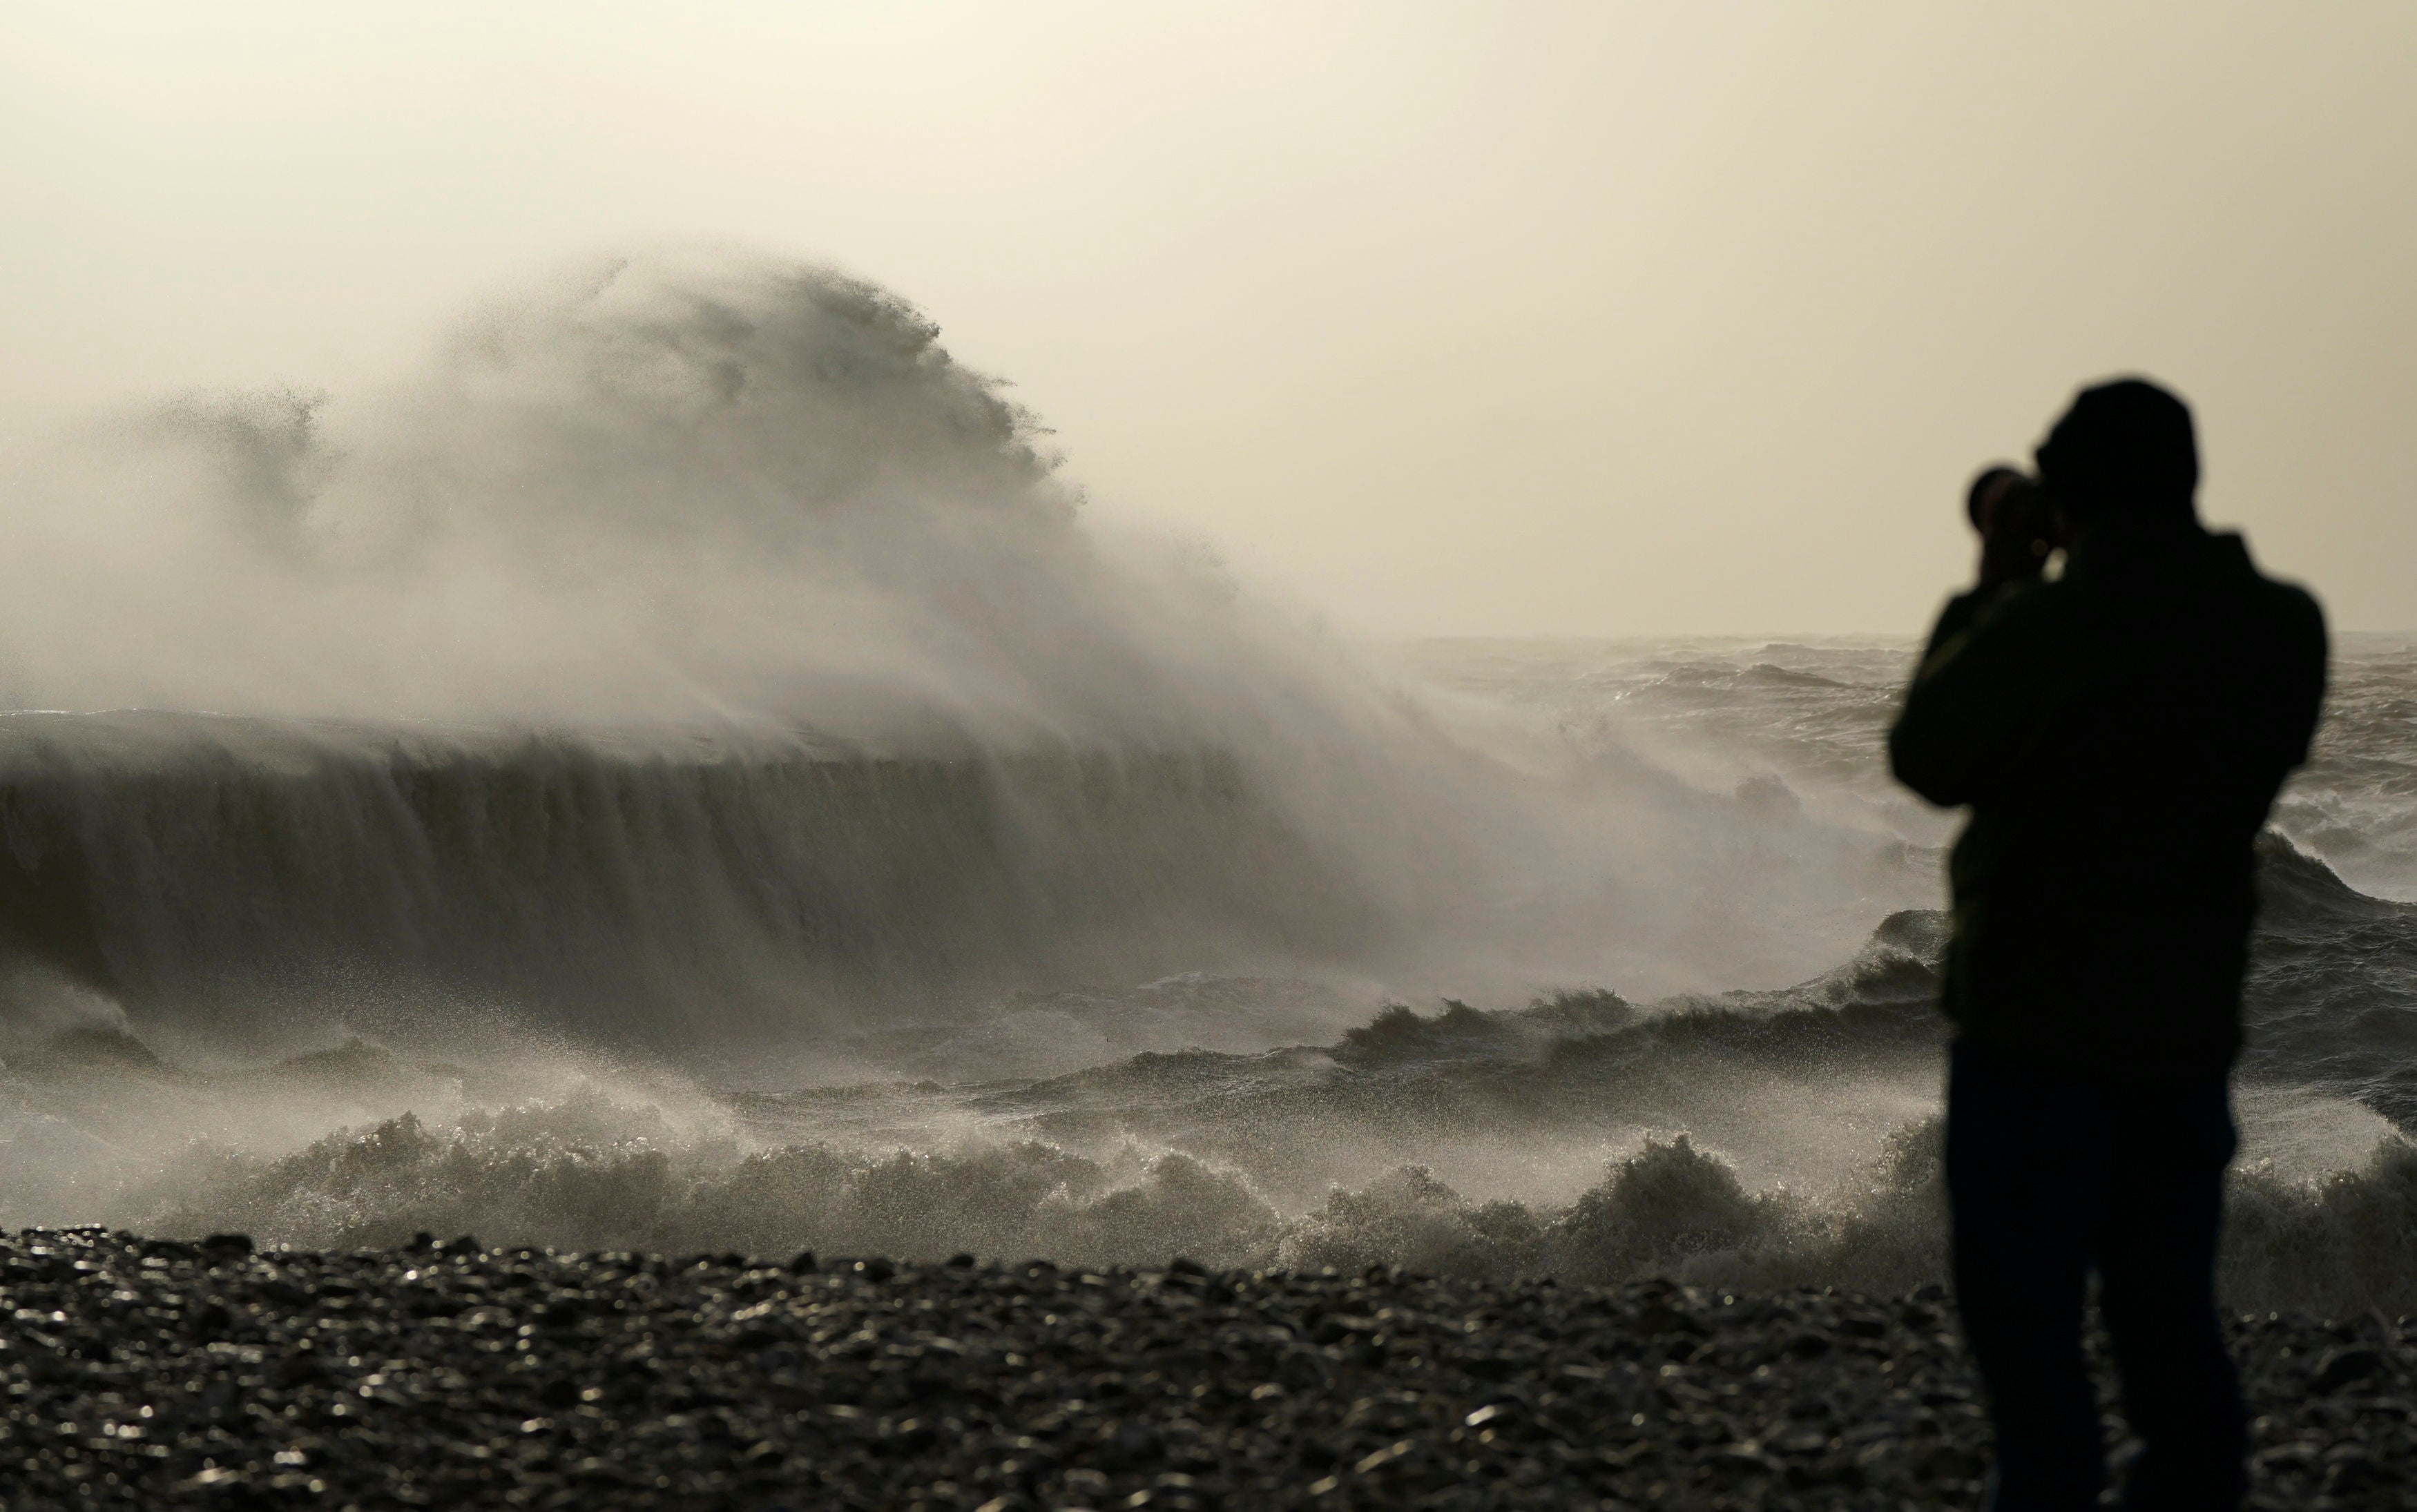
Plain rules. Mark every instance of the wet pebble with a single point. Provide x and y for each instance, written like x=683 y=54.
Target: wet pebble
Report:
x=152 y=1374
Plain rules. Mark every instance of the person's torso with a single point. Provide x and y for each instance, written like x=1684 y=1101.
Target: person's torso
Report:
x=2104 y=894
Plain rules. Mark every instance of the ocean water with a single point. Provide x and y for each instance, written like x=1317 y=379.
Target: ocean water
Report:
x=686 y=772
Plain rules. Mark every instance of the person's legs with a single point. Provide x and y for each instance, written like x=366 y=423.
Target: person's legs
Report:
x=2156 y=1259
x=2025 y=1172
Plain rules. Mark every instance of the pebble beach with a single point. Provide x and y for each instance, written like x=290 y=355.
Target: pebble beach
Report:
x=158 y=1373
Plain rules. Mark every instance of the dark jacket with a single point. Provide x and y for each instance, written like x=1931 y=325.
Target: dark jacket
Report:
x=2119 y=735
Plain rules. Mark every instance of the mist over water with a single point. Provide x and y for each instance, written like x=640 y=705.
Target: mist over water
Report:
x=700 y=648
x=724 y=494
x=685 y=770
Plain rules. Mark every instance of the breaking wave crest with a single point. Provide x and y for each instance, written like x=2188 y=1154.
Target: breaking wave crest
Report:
x=701 y=653
x=220 y=875
x=1584 y=1137
x=586 y=1174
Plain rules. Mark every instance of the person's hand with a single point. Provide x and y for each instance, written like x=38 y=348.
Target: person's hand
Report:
x=2011 y=518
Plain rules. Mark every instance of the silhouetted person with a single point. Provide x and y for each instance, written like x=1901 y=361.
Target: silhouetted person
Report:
x=2119 y=735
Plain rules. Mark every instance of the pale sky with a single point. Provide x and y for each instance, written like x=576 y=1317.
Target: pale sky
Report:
x=1564 y=319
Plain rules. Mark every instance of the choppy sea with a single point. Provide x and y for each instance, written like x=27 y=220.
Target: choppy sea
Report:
x=334 y=983
x=684 y=769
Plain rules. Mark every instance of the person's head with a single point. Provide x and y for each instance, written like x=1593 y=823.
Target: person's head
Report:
x=2123 y=446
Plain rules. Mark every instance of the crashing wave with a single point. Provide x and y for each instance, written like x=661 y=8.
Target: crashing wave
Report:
x=586 y=1174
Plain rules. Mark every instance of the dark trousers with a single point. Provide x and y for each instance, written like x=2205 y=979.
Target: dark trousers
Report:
x=2049 y=1177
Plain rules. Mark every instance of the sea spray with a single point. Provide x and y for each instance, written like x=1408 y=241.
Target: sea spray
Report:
x=590 y=1174
x=684 y=769
x=695 y=654
x=1243 y=1159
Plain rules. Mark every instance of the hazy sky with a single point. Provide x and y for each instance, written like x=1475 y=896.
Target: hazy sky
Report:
x=1587 y=319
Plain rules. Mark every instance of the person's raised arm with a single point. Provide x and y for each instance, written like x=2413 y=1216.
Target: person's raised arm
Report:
x=1975 y=700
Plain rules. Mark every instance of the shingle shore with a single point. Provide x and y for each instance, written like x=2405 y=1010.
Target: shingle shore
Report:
x=152 y=1374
